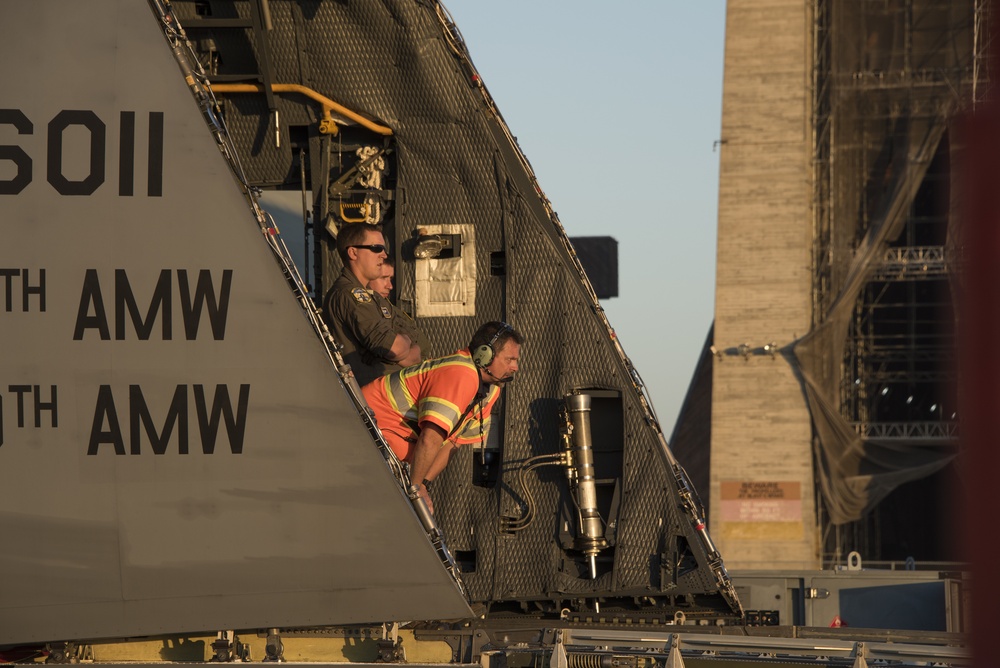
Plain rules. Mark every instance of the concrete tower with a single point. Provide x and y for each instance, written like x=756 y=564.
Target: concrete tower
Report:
x=761 y=488
x=831 y=425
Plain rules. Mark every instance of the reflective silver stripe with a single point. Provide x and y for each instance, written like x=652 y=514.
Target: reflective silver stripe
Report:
x=472 y=431
x=398 y=394
x=444 y=411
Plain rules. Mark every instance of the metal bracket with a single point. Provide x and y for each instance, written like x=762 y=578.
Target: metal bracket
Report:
x=350 y=177
x=274 y=649
x=227 y=648
x=558 y=659
x=390 y=651
x=68 y=652
x=674 y=658
x=859 y=656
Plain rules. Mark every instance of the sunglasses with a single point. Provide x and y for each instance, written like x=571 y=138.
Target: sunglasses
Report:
x=375 y=248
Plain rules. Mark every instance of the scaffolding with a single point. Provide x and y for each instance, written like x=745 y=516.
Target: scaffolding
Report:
x=889 y=78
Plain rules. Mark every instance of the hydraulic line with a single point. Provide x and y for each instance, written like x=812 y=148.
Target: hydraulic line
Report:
x=515 y=524
x=327 y=125
x=578 y=460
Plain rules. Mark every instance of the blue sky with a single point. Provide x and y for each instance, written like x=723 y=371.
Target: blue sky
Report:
x=617 y=106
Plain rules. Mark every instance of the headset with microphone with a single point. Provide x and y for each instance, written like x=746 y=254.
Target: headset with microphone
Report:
x=484 y=355
x=504 y=379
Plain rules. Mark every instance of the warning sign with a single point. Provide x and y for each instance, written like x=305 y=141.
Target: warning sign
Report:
x=761 y=508
x=761 y=501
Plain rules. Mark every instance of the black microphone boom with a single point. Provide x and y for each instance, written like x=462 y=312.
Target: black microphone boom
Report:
x=505 y=379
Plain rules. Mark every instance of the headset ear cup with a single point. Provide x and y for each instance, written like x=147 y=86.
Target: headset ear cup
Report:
x=483 y=355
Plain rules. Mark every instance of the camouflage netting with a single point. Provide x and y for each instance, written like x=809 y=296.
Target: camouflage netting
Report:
x=892 y=76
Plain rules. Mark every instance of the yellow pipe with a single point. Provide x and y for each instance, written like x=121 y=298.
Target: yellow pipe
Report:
x=326 y=102
x=348 y=205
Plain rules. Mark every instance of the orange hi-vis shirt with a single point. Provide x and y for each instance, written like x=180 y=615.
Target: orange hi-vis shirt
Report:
x=439 y=391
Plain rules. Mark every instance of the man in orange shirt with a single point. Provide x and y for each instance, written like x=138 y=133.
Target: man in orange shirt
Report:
x=428 y=410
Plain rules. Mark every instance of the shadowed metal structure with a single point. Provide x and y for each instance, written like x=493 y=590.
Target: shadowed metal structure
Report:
x=450 y=166
x=177 y=423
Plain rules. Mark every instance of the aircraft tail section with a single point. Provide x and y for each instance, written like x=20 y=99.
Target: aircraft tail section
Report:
x=184 y=448
x=179 y=451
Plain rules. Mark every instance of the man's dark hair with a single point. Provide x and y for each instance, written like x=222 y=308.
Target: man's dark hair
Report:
x=485 y=334
x=387 y=262
x=353 y=234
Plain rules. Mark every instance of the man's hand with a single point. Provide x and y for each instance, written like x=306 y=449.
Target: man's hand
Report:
x=423 y=494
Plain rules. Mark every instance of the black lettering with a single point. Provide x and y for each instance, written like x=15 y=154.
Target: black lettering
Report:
x=39 y=405
x=106 y=427
x=57 y=126
x=176 y=415
x=218 y=308
x=45 y=406
x=126 y=154
x=221 y=405
x=91 y=314
x=9 y=275
x=124 y=299
x=154 y=184
x=105 y=411
x=16 y=154
x=27 y=289
x=88 y=120
x=91 y=296
x=20 y=391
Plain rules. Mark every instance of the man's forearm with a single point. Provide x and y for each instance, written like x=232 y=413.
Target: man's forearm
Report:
x=425 y=452
x=404 y=351
x=440 y=461
x=411 y=357
x=400 y=347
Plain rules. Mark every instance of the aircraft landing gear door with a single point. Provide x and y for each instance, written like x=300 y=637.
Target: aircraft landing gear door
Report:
x=593 y=442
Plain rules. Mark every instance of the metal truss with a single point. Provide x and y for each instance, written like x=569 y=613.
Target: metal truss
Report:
x=943 y=432
x=912 y=263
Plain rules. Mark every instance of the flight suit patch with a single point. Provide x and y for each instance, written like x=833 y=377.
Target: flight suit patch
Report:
x=361 y=295
x=386 y=313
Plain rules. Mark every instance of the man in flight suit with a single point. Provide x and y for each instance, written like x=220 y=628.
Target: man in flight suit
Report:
x=362 y=321
x=428 y=411
x=401 y=320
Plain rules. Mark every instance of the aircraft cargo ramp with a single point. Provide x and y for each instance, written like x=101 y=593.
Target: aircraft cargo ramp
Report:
x=184 y=451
